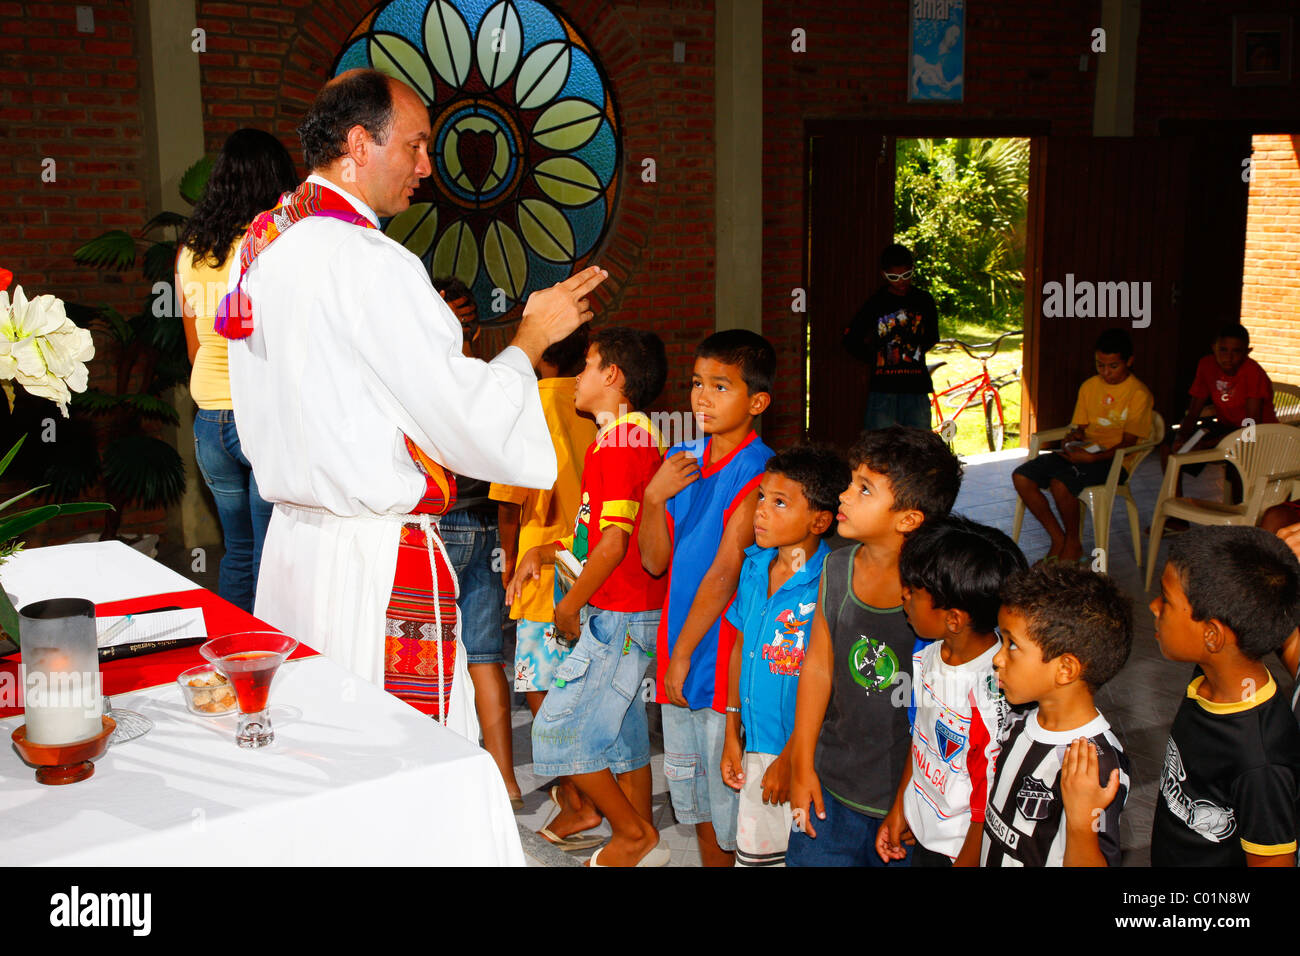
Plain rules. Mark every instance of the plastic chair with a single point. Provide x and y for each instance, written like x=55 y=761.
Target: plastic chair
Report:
x=1267 y=457
x=1100 y=499
x=1286 y=402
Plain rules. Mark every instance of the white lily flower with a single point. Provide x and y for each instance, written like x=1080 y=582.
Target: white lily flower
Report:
x=42 y=349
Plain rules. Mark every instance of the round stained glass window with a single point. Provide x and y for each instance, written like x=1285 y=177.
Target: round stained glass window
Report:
x=525 y=141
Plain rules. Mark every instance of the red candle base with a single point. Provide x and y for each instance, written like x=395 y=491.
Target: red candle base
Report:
x=57 y=764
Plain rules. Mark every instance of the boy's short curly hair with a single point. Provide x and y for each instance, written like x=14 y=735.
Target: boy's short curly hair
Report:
x=1115 y=342
x=748 y=351
x=817 y=469
x=961 y=564
x=1071 y=610
x=1244 y=577
x=639 y=355
x=569 y=354
x=923 y=472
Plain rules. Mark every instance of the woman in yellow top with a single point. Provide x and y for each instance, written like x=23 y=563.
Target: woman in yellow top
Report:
x=248 y=177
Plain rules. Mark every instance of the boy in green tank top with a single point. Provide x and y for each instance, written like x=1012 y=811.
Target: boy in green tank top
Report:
x=851 y=733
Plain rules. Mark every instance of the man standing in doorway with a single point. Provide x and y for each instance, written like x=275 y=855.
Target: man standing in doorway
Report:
x=891 y=333
x=347 y=367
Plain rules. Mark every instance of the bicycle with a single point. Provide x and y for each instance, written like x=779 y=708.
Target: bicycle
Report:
x=981 y=390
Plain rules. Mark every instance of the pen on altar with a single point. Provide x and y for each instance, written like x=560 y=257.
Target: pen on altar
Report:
x=115 y=630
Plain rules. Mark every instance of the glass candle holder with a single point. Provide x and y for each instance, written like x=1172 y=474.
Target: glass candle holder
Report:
x=62 y=691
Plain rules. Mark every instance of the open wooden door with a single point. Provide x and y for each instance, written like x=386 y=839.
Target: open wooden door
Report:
x=1161 y=212
x=850 y=219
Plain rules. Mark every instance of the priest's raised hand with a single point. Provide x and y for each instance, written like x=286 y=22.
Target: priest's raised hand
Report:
x=551 y=314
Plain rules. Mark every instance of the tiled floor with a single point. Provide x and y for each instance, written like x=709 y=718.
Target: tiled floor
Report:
x=1139 y=703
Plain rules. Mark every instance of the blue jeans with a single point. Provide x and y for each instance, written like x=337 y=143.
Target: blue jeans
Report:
x=887 y=408
x=593 y=718
x=845 y=838
x=243 y=512
x=473 y=544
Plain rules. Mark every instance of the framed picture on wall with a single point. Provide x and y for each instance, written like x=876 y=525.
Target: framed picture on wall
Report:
x=1261 y=50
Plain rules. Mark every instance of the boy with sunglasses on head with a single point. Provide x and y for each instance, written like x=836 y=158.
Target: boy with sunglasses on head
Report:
x=891 y=333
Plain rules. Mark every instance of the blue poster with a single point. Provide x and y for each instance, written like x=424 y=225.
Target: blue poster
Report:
x=938 y=51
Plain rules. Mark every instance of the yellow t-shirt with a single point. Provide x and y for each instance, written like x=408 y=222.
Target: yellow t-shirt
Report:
x=203 y=287
x=1107 y=412
x=546 y=516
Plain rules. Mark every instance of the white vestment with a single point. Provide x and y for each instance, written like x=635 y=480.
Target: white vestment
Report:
x=351 y=349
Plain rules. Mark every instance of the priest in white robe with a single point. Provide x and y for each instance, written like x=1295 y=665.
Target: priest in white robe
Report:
x=344 y=352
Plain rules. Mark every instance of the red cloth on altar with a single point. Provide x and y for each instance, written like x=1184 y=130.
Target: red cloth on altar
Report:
x=150 y=670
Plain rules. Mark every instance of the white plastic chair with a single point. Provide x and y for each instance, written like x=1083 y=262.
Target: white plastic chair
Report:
x=1100 y=499
x=1267 y=457
x=1286 y=402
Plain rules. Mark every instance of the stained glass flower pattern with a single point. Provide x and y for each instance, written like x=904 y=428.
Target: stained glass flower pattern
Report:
x=525 y=141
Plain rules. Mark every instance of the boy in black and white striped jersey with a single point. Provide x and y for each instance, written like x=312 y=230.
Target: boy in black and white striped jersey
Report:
x=1062 y=776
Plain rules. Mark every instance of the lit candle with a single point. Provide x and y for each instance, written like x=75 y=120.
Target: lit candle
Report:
x=63 y=700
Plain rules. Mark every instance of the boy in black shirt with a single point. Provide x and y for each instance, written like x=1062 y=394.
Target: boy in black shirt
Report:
x=1231 y=780
x=891 y=333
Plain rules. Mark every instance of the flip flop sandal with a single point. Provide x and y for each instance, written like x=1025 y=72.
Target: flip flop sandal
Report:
x=570 y=843
x=659 y=856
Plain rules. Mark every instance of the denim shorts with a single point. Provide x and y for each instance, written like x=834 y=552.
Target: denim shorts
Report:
x=1075 y=477
x=594 y=716
x=888 y=408
x=693 y=742
x=845 y=838
x=473 y=542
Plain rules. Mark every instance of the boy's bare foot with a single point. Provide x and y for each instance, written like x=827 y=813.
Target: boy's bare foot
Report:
x=623 y=852
x=577 y=813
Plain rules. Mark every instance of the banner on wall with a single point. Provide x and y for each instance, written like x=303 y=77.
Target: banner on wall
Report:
x=938 y=51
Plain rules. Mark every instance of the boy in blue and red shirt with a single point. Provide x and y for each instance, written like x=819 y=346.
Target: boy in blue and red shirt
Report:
x=697 y=522
x=592 y=724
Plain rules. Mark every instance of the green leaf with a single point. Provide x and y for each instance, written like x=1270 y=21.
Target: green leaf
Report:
x=8 y=617
x=162 y=220
x=195 y=180
x=20 y=497
x=112 y=250
x=82 y=507
x=9 y=455
x=95 y=401
x=160 y=262
x=144 y=469
x=24 y=521
x=151 y=406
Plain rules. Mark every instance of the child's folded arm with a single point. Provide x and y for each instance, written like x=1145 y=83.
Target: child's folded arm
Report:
x=1086 y=803
x=715 y=592
x=653 y=540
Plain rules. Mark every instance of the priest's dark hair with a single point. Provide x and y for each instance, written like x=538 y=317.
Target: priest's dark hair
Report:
x=639 y=355
x=248 y=176
x=356 y=98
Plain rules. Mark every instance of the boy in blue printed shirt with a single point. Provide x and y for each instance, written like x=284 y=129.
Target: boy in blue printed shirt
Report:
x=698 y=517
x=798 y=496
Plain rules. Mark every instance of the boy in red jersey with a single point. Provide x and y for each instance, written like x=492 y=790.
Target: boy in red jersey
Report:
x=592 y=724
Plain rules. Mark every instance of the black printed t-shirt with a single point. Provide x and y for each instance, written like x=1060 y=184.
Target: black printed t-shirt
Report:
x=1230 y=783
x=865 y=740
x=892 y=333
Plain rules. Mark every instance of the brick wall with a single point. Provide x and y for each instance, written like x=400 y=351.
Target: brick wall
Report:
x=73 y=98
x=1270 y=294
x=264 y=64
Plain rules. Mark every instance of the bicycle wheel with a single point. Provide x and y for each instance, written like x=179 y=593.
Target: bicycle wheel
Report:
x=994 y=426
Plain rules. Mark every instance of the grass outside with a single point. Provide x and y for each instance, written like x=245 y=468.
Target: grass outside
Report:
x=970 y=438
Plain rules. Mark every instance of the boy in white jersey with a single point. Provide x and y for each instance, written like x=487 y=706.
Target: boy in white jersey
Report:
x=952 y=569
x=1062 y=775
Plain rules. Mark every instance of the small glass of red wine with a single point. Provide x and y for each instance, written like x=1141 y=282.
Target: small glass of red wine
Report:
x=250 y=660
